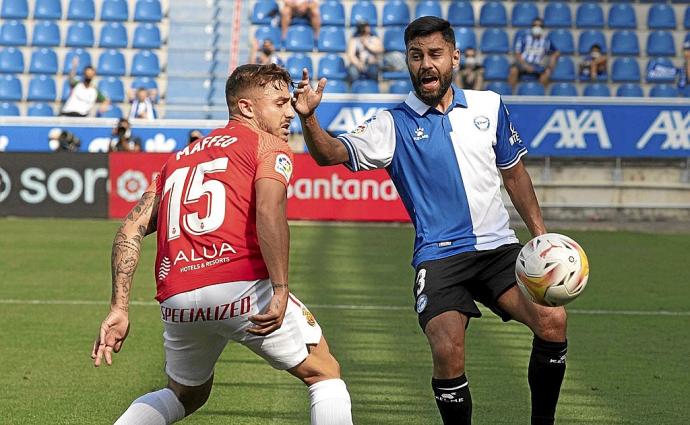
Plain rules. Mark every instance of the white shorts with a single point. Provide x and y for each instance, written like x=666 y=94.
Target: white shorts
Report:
x=198 y=324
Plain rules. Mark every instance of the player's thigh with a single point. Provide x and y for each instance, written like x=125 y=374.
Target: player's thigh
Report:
x=548 y=323
x=318 y=366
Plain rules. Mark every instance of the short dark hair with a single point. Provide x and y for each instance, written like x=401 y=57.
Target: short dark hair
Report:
x=250 y=76
x=427 y=25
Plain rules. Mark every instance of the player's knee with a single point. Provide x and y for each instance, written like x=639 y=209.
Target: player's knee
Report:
x=449 y=359
x=192 y=398
x=553 y=324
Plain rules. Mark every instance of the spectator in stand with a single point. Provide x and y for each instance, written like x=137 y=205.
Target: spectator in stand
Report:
x=142 y=104
x=364 y=52
x=83 y=95
x=122 y=140
x=593 y=65
x=534 y=55
x=60 y=140
x=684 y=80
x=471 y=73
x=308 y=9
x=266 y=56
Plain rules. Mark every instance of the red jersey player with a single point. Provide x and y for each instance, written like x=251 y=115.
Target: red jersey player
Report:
x=221 y=265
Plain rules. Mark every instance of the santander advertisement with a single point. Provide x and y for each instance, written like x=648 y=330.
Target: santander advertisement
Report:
x=315 y=193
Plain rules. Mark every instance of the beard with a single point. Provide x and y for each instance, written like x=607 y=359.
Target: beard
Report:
x=432 y=98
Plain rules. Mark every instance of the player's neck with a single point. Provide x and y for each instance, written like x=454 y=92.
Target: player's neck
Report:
x=445 y=101
x=244 y=120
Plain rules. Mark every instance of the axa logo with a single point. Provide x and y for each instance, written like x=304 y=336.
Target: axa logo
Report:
x=348 y=118
x=419 y=134
x=670 y=129
x=570 y=129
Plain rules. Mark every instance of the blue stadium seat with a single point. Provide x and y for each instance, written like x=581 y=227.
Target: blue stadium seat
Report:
x=624 y=43
x=364 y=10
x=40 y=110
x=589 y=15
x=686 y=19
x=66 y=88
x=461 y=14
x=332 y=66
x=11 y=61
x=10 y=88
x=428 y=8
x=295 y=126
x=41 y=89
x=336 y=86
x=629 y=90
x=80 y=34
x=400 y=87
x=299 y=38
x=14 y=9
x=113 y=36
x=660 y=43
x=500 y=87
x=669 y=70
x=564 y=69
x=48 y=9
x=268 y=32
x=493 y=14
x=664 y=90
x=622 y=16
x=332 y=39
x=557 y=15
x=148 y=11
x=597 y=89
x=332 y=13
x=112 y=88
x=81 y=10
x=496 y=67
x=43 y=61
x=625 y=70
x=523 y=14
x=264 y=11
x=8 y=110
x=145 y=64
x=114 y=10
x=494 y=40
x=113 y=111
x=296 y=63
x=588 y=38
x=395 y=13
x=84 y=60
x=661 y=16
x=365 y=86
x=464 y=38
x=562 y=39
x=111 y=62
x=13 y=33
x=530 y=88
x=563 y=89
x=145 y=82
x=147 y=36
x=394 y=40
x=46 y=34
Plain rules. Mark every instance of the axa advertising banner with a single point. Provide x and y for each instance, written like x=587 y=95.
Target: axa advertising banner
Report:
x=315 y=193
x=53 y=185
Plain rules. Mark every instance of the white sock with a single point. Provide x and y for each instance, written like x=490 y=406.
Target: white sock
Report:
x=157 y=408
x=330 y=403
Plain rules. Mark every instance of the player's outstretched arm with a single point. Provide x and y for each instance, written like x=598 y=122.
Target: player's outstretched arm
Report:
x=274 y=241
x=140 y=222
x=518 y=184
x=325 y=150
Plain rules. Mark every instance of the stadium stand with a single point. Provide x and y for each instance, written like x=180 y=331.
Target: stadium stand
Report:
x=597 y=89
x=461 y=14
x=563 y=89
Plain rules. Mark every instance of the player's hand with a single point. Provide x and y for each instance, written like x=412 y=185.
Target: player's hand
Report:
x=305 y=99
x=272 y=319
x=111 y=336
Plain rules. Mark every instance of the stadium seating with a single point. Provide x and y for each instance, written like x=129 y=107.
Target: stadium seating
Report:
x=332 y=66
x=597 y=89
x=589 y=15
x=461 y=14
x=144 y=82
x=14 y=9
x=496 y=67
x=336 y=86
x=624 y=43
x=629 y=90
x=111 y=62
x=11 y=61
x=464 y=38
x=296 y=63
x=148 y=11
x=563 y=89
x=523 y=14
x=80 y=34
x=113 y=111
x=400 y=87
x=365 y=86
x=625 y=70
x=394 y=40
x=112 y=88
x=564 y=69
x=267 y=32
x=664 y=90
x=332 y=13
x=494 y=40
x=40 y=110
x=332 y=39
x=557 y=15
x=84 y=60
x=686 y=19
x=48 y=9
x=114 y=10
x=13 y=33
x=81 y=10
x=530 y=88
x=363 y=10
x=264 y=12
x=500 y=87
x=562 y=39
x=41 y=89
x=145 y=64
x=113 y=36
x=622 y=16
x=44 y=61
x=8 y=110
x=299 y=38
x=660 y=43
x=668 y=76
x=10 y=88
x=428 y=8
x=661 y=16
x=395 y=13
x=588 y=38
x=493 y=14
x=146 y=36
x=46 y=34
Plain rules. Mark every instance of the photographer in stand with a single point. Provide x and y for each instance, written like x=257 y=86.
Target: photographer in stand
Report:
x=122 y=140
x=60 y=140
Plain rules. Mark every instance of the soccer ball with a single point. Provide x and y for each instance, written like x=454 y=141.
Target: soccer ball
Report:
x=552 y=270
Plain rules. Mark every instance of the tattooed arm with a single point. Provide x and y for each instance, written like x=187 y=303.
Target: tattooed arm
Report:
x=126 y=250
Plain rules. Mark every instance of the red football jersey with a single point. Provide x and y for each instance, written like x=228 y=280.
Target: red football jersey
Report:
x=207 y=211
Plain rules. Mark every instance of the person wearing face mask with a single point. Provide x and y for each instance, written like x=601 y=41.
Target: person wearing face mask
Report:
x=471 y=73
x=534 y=55
x=266 y=55
x=594 y=64
x=83 y=94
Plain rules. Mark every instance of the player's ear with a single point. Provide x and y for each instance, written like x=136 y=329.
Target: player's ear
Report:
x=246 y=108
x=456 y=58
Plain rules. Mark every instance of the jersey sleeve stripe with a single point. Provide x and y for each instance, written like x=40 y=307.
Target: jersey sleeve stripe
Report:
x=353 y=163
x=511 y=163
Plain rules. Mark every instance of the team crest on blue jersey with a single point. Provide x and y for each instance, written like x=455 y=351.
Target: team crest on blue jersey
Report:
x=420 y=134
x=481 y=122
x=363 y=126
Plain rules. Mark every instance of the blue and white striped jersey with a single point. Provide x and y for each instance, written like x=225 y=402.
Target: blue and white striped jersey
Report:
x=533 y=49
x=444 y=166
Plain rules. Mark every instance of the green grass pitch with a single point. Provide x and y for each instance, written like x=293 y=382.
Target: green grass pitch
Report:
x=627 y=363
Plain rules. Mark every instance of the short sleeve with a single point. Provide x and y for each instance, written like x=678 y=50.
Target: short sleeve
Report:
x=519 y=44
x=371 y=145
x=509 y=147
x=159 y=181
x=274 y=160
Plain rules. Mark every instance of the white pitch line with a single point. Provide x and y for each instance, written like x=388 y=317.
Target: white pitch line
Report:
x=357 y=307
